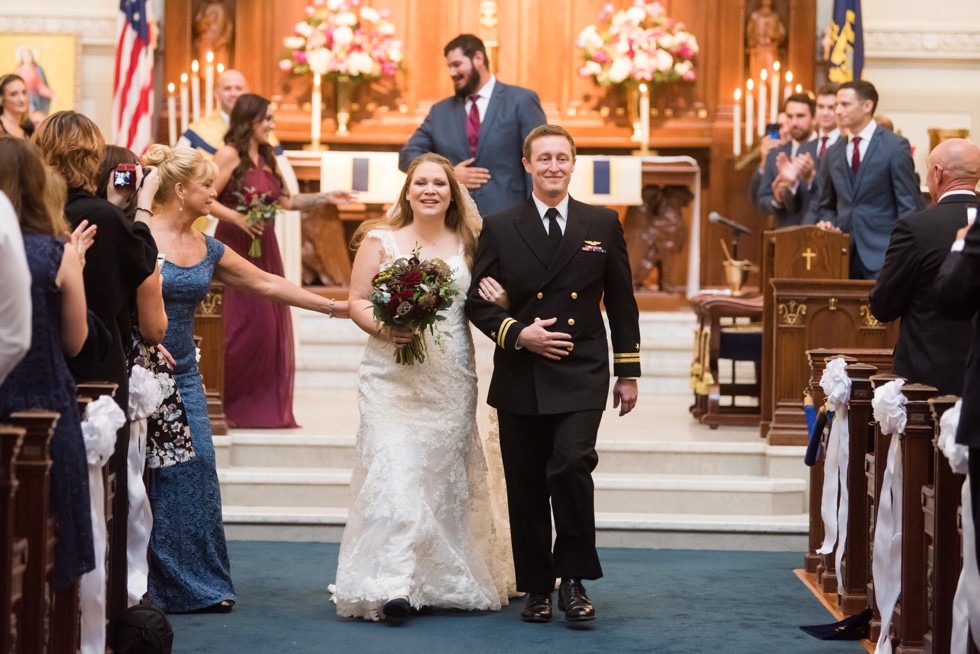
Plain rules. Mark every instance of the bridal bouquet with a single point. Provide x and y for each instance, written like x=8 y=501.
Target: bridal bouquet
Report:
x=637 y=44
x=258 y=208
x=410 y=293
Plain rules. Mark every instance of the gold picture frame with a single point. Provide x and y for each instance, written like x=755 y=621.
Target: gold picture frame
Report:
x=49 y=64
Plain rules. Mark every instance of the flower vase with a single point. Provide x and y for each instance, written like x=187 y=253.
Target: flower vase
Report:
x=343 y=105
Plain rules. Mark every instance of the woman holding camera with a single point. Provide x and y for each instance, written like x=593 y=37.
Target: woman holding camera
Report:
x=259 y=359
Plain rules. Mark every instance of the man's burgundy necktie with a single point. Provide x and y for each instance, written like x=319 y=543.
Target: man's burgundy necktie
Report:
x=856 y=154
x=823 y=147
x=473 y=124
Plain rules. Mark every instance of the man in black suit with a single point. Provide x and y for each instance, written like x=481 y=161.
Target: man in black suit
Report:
x=867 y=182
x=787 y=176
x=931 y=349
x=556 y=259
x=957 y=292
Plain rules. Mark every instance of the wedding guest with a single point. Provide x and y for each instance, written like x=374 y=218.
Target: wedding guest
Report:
x=259 y=359
x=58 y=329
x=15 y=291
x=431 y=542
x=189 y=568
x=15 y=107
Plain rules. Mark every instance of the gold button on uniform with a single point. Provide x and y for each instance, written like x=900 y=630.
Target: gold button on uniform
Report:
x=574 y=295
x=571 y=322
x=540 y=295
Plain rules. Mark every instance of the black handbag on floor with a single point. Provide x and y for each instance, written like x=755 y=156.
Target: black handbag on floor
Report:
x=141 y=629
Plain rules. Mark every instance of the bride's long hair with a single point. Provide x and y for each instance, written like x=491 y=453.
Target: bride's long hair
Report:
x=462 y=216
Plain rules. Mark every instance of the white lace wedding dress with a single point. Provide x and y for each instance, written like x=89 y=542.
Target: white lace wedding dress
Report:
x=422 y=514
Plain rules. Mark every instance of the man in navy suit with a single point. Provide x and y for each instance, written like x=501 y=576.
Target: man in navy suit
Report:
x=931 y=349
x=784 y=190
x=556 y=259
x=481 y=129
x=868 y=181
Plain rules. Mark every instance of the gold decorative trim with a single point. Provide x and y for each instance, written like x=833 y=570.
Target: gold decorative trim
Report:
x=868 y=317
x=832 y=304
x=211 y=304
x=792 y=312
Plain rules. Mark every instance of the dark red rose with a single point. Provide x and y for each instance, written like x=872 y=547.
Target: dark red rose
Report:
x=405 y=295
x=411 y=277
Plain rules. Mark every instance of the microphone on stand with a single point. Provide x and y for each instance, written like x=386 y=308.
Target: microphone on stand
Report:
x=716 y=217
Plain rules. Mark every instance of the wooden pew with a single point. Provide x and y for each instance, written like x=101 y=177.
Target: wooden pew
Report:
x=12 y=550
x=940 y=506
x=32 y=521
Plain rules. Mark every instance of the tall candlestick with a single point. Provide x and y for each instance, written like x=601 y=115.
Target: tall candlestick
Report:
x=774 y=94
x=209 y=83
x=171 y=115
x=317 y=101
x=737 y=124
x=761 y=128
x=644 y=118
x=788 y=89
x=195 y=91
x=183 y=103
x=749 y=112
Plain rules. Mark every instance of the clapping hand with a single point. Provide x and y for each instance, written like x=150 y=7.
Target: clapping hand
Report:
x=805 y=166
x=471 y=176
x=82 y=238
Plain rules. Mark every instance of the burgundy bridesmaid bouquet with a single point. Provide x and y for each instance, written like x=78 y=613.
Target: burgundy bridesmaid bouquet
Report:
x=412 y=293
x=257 y=208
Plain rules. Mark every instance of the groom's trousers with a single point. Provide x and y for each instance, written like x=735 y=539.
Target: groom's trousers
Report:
x=551 y=457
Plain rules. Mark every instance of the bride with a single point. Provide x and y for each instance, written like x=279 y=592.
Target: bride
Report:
x=420 y=530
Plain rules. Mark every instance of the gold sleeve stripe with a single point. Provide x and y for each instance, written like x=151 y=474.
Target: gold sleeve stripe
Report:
x=502 y=332
x=627 y=358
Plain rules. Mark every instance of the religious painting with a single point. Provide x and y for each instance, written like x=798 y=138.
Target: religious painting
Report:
x=214 y=31
x=49 y=65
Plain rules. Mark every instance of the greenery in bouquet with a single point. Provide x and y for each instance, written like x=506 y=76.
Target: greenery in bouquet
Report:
x=412 y=294
x=343 y=37
x=257 y=208
x=637 y=44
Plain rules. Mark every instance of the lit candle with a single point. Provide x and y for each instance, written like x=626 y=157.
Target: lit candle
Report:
x=317 y=100
x=183 y=102
x=195 y=91
x=788 y=89
x=644 y=117
x=209 y=83
x=221 y=68
x=799 y=88
x=749 y=111
x=171 y=115
x=737 y=124
x=774 y=93
x=761 y=128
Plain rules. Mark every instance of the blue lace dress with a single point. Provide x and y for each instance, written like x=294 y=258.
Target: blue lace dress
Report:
x=189 y=568
x=42 y=381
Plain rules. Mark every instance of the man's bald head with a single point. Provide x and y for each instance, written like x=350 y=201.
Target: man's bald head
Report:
x=229 y=85
x=953 y=165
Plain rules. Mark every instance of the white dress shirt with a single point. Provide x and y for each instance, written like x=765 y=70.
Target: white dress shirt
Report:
x=971 y=217
x=865 y=135
x=483 y=99
x=15 y=291
x=562 y=208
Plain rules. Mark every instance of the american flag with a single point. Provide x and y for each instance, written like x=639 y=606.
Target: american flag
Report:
x=132 y=94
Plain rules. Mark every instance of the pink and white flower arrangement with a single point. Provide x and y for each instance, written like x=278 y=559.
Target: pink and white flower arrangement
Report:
x=638 y=44
x=343 y=37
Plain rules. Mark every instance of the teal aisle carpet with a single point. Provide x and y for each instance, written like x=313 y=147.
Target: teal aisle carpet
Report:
x=663 y=601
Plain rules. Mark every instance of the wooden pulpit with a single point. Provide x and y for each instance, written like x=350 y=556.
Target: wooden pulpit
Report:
x=809 y=303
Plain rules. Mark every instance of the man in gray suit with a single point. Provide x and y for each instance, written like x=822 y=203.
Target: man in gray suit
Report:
x=867 y=182
x=481 y=129
x=787 y=176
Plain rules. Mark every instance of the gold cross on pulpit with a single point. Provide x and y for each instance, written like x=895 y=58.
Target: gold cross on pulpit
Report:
x=808 y=255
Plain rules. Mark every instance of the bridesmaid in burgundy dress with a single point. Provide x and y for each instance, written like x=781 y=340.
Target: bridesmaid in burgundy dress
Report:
x=259 y=358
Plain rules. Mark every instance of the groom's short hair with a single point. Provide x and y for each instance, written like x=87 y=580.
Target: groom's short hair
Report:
x=546 y=130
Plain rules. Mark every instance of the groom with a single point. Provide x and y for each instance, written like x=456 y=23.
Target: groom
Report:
x=556 y=259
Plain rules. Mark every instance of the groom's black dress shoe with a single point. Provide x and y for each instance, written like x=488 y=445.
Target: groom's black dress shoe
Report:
x=574 y=602
x=396 y=609
x=537 y=608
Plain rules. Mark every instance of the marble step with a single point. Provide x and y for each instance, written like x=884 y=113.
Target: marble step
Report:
x=619 y=492
x=613 y=529
x=304 y=452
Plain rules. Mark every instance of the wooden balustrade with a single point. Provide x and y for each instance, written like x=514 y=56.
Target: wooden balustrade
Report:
x=12 y=550
x=32 y=522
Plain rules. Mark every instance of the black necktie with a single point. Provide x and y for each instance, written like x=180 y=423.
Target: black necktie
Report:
x=554 y=229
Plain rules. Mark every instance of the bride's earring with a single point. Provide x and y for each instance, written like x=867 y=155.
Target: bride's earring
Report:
x=181 y=208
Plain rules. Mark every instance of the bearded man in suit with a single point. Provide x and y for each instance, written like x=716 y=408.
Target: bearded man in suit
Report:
x=931 y=349
x=556 y=259
x=867 y=181
x=480 y=129
x=788 y=173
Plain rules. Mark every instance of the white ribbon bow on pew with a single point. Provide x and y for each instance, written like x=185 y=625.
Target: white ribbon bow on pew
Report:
x=966 y=602
x=103 y=418
x=886 y=566
x=836 y=386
